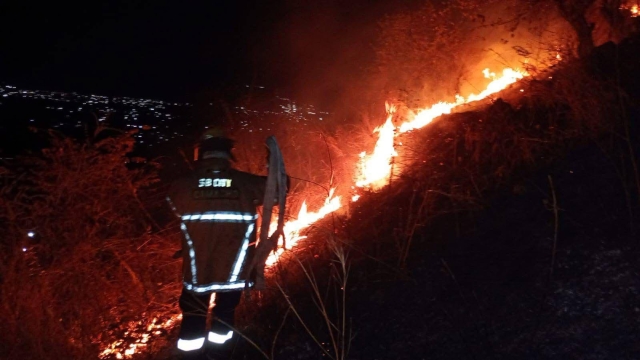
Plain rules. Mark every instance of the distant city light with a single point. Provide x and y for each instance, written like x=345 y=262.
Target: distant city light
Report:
x=124 y=112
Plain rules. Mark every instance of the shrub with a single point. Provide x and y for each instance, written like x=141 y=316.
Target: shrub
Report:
x=81 y=255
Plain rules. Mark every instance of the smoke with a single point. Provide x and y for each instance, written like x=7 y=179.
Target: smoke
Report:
x=324 y=49
x=510 y=34
x=349 y=57
x=435 y=51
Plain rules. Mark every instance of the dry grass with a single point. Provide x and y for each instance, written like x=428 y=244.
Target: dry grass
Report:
x=306 y=298
x=97 y=262
x=454 y=165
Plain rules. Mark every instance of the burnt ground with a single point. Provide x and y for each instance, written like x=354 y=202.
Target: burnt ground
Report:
x=514 y=278
x=481 y=288
x=488 y=293
x=508 y=279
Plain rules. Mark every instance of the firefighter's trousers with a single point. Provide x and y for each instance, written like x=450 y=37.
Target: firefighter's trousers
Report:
x=193 y=330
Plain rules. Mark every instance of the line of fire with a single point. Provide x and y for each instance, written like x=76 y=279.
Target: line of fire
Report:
x=470 y=190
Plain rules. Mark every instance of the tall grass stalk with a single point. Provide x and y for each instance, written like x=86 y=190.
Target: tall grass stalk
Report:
x=337 y=329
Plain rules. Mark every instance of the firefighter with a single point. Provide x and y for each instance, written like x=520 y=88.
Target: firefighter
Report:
x=217 y=208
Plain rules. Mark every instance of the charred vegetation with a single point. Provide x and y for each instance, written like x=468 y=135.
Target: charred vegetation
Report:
x=512 y=231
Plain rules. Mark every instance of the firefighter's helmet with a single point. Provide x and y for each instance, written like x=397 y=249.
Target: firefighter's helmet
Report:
x=214 y=143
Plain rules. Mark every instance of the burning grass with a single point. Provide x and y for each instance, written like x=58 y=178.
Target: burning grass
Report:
x=455 y=163
x=101 y=280
x=450 y=169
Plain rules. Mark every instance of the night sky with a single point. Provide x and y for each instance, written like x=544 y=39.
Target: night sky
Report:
x=173 y=50
x=134 y=47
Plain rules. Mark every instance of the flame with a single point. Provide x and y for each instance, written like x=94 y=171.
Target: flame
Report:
x=373 y=172
x=375 y=169
x=425 y=117
x=509 y=76
x=121 y=350
x=634 y=9
x=293 y=228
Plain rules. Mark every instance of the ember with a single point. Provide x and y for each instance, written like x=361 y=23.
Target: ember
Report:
x=375 y=169
x=633 y=9
x=121 y=349
x=373 y=173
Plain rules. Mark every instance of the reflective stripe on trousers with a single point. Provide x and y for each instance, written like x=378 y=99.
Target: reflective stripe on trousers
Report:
x=219 y=338
x=194 y=319
x=190 y=345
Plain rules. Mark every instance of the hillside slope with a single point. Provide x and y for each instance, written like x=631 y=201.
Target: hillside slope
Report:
x=523 y=228
x=513 y=233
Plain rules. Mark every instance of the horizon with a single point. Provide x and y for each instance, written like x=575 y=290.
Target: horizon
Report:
x=178 y=52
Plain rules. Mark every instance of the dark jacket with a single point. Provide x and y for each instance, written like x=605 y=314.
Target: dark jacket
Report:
x=217 y=207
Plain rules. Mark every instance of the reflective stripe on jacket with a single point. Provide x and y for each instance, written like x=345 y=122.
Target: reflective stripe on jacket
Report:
x=216 y=205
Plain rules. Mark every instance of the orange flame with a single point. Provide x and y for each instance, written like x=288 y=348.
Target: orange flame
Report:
x=425 y=117
x=293 y=228
x=374 y=169
x=121 y=350
x=509 y=76
x=634 y=10
x=373 y=172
